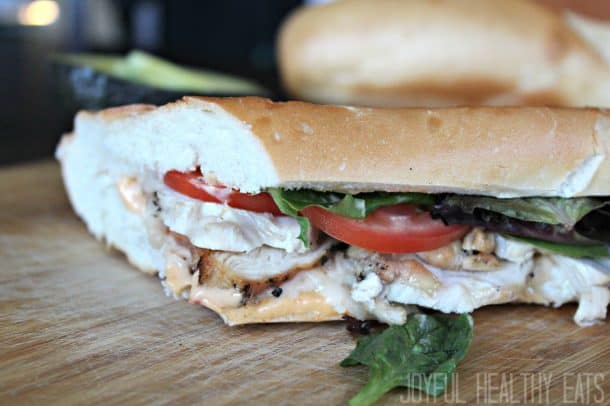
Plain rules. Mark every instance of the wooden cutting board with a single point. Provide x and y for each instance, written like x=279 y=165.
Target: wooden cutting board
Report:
x=79 y=325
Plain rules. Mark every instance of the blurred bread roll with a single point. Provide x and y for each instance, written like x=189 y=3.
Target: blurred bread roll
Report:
x=443 y=53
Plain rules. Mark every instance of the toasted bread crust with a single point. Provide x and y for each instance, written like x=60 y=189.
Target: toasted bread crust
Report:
x=478 y=150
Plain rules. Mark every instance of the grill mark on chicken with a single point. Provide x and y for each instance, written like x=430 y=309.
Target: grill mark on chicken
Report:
x=408 y=271
x=197 y=266
x=478 y=241
x=246 y=294
x=205 y=266
x=481 y=262
x=156 y=204
x=214 y=273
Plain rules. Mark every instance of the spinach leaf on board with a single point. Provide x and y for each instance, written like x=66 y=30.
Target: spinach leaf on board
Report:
x=421 y=354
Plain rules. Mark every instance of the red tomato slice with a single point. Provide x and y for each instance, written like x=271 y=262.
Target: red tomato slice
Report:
x=192 y=184
x=393 y=229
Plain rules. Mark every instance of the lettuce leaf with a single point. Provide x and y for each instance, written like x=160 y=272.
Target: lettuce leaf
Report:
x=291 y=202
x=569 y=250
x=421 y=354
x=538 y=219
x=547 y=210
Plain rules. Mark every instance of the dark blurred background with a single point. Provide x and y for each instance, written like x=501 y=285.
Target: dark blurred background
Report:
x=233 y=36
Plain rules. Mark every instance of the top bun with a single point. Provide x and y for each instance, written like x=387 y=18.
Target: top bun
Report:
x=442 y=53
x=252 y=143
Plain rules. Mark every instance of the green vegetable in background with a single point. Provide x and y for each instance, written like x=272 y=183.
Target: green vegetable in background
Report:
x=291 y=202
x=146 y=69
x=421 y=354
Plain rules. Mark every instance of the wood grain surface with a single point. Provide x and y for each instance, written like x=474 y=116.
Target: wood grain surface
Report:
x=78 y=325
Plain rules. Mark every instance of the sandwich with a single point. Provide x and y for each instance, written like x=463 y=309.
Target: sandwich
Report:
x=287 y=211
x=444 y=53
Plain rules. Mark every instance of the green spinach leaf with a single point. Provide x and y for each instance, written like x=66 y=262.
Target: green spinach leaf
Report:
x=421 y=354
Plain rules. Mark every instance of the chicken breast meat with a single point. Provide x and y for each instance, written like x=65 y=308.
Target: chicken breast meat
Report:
x=329 y=280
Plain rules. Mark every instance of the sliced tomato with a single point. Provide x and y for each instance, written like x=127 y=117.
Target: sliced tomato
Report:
x=401 y=228
x=192 y=184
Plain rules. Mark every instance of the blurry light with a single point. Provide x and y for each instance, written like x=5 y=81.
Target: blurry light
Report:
x=39 y=12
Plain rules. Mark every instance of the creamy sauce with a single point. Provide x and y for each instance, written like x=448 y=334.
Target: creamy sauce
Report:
x=308 y=306
x=178 y=277
x=215 y=298
x=131 y=193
